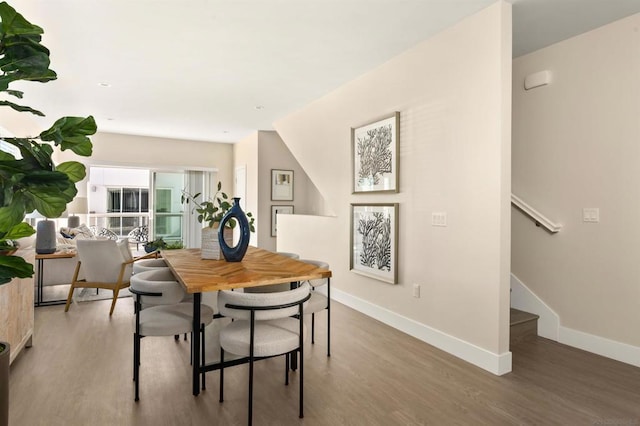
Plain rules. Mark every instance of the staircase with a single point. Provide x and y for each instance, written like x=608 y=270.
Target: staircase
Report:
x=524 y=326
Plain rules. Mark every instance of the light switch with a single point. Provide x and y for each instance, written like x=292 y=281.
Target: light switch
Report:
x=439 y=219
x=591 y=214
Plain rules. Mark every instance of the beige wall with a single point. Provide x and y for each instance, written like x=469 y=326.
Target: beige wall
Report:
x=576 y=144
x=157 y=153
x=453 y=94
x=259 y=153
x=274 y=154
x=245 y=154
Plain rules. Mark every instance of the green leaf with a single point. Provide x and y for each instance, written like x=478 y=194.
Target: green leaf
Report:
x=12 y=214
x=21 y=230
x=71 y=133
x=21 y=108
x=13 y=23
x=25 y=58
x=14 y=266
x=17 y=93
x=5 y=156
x=73 y=169
x=42 y=77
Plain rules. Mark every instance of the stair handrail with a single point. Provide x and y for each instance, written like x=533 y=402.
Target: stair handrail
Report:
x=538 y=218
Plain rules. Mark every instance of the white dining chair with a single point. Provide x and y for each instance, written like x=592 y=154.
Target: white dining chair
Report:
x=319 y=302
x=164 y=313
x=264 y=325
x=149 y=265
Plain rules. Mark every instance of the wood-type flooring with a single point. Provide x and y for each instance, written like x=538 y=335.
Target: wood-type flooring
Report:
x=79 y=372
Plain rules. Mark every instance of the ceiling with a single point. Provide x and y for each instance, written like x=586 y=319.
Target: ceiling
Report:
x=218 y=70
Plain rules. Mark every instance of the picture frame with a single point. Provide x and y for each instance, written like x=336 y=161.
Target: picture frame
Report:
x=374 y=241
x=281 y=185
x=275 y=211
x=375 y=155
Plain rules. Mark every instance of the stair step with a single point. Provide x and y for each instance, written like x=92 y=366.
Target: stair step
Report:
x=519 y=317
x=524 y=326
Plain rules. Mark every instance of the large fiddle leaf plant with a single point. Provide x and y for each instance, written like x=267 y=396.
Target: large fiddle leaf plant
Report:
x=31 y=181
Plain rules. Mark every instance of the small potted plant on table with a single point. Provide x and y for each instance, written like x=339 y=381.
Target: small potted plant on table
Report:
x=211 y=212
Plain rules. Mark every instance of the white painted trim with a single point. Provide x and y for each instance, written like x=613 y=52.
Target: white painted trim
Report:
x=498 y=364
x=524 y=299
x=601 y=346
x=538 y=217
x=549 y=326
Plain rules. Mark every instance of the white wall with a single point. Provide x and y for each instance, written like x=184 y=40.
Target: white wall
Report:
x=576 y=144
x=453 y=94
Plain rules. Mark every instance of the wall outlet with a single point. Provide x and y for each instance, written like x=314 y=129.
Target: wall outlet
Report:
x=591 y=214
x=416 y=291
x=438 y=218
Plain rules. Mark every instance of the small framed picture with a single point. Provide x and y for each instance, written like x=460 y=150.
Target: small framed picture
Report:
x=275 y=211
x=281 y=185
x=374 y=241
x=374 y=155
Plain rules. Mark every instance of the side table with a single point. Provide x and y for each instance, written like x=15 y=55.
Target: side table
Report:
x=40 y=258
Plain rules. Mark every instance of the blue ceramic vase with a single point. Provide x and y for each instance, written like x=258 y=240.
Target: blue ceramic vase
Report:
x=235 y=254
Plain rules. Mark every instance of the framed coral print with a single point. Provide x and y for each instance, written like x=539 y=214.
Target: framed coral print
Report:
x=281 y=185
x=275 y=211
x=374 y=241
x=374 y=153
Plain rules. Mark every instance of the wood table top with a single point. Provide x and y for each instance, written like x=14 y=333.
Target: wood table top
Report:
x=57 y=255
x=258 y=267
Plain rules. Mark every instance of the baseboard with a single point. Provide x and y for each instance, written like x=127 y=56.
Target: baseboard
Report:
x=498 y=364
x=524 y=299
x=601 y=346
x=549 y=327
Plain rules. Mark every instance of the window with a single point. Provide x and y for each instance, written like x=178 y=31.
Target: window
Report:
x=126 y=202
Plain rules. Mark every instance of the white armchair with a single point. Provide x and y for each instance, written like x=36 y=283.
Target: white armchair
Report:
x=105 y=264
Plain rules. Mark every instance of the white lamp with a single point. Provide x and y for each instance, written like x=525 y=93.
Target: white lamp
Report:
x=77 y=206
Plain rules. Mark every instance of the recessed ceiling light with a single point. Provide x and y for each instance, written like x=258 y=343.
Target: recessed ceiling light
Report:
x=104 y=84
x=259 y=107
x=225 y=131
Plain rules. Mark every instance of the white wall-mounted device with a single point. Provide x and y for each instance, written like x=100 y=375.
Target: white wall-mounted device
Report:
x=537 y=79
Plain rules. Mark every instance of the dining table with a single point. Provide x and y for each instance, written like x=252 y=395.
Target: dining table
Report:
x=257 y=268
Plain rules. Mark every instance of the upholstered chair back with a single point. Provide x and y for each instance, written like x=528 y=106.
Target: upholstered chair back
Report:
x=159 y=280
x=261 y=299
x=102 y=259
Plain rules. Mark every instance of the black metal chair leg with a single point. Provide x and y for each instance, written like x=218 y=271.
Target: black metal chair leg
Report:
x=313 y=328
x=221 y=374
x=251 y=391
x=204 y=386
x=328 y=316
x=136 y=365
x=286 y=369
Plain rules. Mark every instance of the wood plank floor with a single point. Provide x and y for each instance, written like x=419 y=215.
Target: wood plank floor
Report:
x=79 y=373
